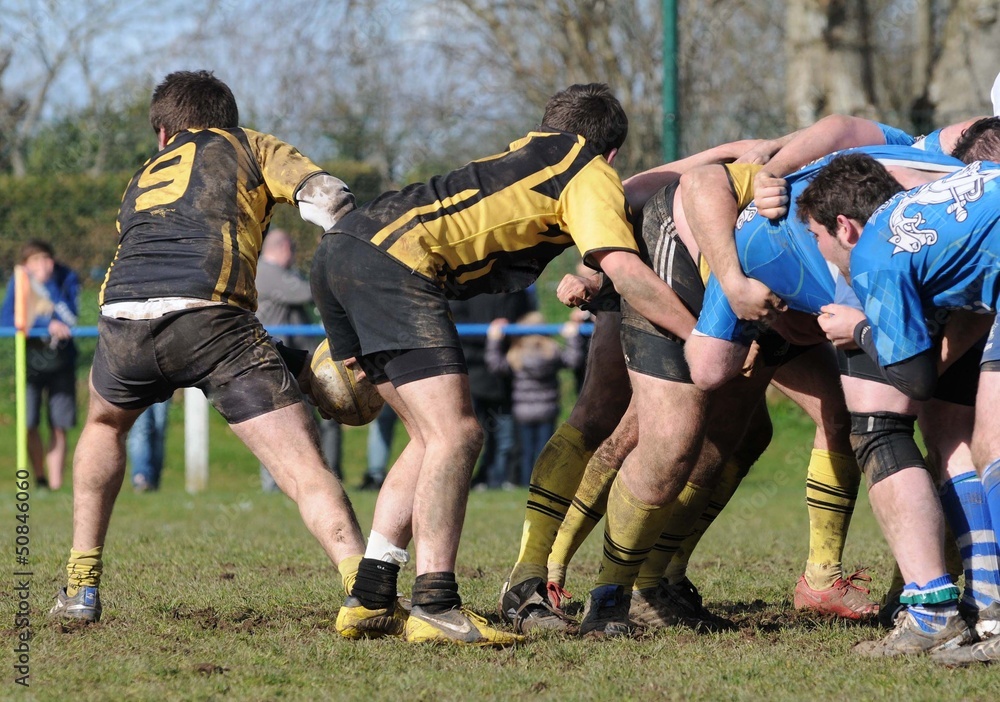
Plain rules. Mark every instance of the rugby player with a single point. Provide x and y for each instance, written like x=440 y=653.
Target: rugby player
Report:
x=783 y=257
x=177 y=310
x=907 y=254
x=382 y=278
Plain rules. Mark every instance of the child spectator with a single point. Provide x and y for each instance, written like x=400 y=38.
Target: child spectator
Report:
x=534 y=361
x=51 y=359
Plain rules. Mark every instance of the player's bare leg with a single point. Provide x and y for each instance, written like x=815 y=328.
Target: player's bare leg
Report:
x=286 y=441
x=98 y=472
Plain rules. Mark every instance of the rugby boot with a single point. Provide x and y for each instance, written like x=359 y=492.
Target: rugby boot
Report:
x=982 y=652
x=528 y=606
x=846 y=598
x=985 y=622
x=85 y=605
x=685 y=596
x=355 y=621
x=458 y=626
x=655 y=607
x=607 y=612
x=908 y=639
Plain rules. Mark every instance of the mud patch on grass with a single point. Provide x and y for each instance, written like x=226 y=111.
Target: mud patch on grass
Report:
x=210 y=669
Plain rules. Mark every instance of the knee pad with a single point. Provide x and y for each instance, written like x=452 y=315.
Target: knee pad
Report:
x=883 y=444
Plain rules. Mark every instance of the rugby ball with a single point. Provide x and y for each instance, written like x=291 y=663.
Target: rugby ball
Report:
x=339 y=394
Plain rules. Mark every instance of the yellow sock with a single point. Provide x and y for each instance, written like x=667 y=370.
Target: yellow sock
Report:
x=681 y=520
x=554 y=481
x=725 y=487
x=629 y=534
x=586 y=510
x=831 y=490
x=83 y=569
x=349 y=571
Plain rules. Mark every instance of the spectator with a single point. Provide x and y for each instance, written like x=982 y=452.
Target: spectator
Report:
x=146 y=447
x=284 y=298
x=534 y=362
x=491 y=393
x=51 y=359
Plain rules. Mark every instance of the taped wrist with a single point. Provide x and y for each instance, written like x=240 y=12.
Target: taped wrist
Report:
x=436 y=592
x=883 y=444
x=375 y=585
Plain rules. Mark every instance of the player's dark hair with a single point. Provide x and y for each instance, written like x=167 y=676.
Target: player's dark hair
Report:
x=590 y=110
x=33 y=247
x=979 y=142
x=853 y=185
x=192 y=100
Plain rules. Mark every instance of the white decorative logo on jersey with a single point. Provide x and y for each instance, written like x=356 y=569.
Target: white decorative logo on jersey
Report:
x=748 y=213
x=909 y=233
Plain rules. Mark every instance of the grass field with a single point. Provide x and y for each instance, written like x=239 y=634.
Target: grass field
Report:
x=224 y=595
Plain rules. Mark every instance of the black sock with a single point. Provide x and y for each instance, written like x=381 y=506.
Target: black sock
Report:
x=436 y=592
x=375 y=586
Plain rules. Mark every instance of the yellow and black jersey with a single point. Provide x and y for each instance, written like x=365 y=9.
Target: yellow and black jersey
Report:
x=493 y=225
x=193 y=217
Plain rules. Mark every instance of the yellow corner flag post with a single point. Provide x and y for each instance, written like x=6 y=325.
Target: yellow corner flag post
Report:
x=22 y=289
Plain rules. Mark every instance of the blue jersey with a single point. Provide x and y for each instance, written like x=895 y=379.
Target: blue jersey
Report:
x=783 y=254
x=931 y=142
x=936 y=246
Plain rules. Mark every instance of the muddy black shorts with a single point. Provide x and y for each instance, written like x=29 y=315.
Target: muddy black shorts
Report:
x=606 y=299
x=959 y=384
x=221 y=350
x=397 y=323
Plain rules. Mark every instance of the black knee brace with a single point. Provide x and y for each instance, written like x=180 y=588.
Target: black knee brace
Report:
x=883 y=444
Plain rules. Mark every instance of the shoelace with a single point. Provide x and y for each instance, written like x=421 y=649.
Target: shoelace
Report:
x=556 y=593
x=860 y=575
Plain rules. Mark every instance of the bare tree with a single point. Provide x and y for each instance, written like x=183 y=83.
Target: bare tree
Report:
x=967 y=64
x=829 y=55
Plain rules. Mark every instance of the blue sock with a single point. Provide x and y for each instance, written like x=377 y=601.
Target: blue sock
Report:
x=991 y=486
x=964 y=503
x=933 y=604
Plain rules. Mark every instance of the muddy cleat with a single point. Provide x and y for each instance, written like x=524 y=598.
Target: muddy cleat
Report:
x=355 y=621
x=85 y=605
x=655 y=607
x=607 y=612
x=982 y=652
x=528 y=606
x=685 y=597
x=985 y=623
x=460 y=626
x=908 y=639
x=845 y=599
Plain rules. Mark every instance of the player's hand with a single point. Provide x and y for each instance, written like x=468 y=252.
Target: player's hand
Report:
x=838 y=323
x=761 y=152
x=770 y=193
x=59 y=330
x=752 y=300
x=799 y=328
x=495 y=332
x=353 y=364
x=574 y=290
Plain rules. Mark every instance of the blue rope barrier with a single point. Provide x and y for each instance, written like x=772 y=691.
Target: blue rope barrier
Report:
x=316 y=330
